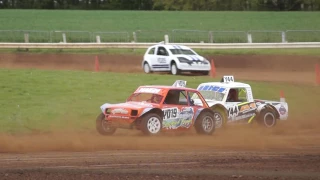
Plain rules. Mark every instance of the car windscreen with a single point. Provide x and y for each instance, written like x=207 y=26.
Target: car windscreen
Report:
x=212 y=95
x=146 y=97
x=182 y=51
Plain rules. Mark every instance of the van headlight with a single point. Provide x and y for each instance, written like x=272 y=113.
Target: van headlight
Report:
x=184 y=60
x=205 y=61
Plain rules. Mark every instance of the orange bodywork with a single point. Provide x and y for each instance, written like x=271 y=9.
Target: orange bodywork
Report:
x=175 y=116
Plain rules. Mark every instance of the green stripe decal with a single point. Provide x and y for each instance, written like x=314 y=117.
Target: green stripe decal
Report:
x=249 y=121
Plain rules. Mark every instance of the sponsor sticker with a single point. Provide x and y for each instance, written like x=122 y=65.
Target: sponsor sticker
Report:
x=149 y=90
x=282 y=110
x=119 y=111
x=119 y=117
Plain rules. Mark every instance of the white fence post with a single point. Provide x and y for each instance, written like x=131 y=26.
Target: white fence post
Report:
x=134 y=37
x=249 y=36
x=26 y=37
x=166 y=39
x=64 y=38
x=210 y=37
x=98 y=39
x=283 y=35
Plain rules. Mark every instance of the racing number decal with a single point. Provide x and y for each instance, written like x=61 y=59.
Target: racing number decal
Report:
x=241 y=111
x=170 y=113
x=233 y=111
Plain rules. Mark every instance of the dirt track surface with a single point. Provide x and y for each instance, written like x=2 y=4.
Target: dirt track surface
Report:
x=182 y=164
x=297 y=69
x=286 y=152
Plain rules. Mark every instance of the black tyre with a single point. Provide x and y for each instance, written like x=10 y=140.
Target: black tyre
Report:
x=205 y=123
x=174 y=69
x=206 y=73
x=221 y=118
x=267 y=118
x=102 y=126
x=151 y=124
x=146 y=68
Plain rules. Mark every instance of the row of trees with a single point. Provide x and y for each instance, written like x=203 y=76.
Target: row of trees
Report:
x=174 y=5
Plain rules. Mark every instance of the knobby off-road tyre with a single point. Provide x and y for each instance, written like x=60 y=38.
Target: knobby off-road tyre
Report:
x=151 y=124
x=102 y=127
x=205 y=123
x=267 y=118
x=174 y=69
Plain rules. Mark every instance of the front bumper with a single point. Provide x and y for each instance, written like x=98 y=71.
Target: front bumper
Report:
x=194 y=67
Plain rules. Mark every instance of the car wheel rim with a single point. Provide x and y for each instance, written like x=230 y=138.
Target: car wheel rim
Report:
x=146 y=68
x=269 y=119
x=218 y=119
x=173 y=69
x=207 y=123
x=154 y=125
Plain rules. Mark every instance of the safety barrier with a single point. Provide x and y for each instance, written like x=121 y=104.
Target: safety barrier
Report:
x=146 y=45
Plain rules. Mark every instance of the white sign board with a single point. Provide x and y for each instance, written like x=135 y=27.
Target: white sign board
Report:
x=228 y=79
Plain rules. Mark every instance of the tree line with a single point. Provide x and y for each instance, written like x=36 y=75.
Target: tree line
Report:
x=170 y=5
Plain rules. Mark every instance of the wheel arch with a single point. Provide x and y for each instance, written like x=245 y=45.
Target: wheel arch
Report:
x=174 y=61
x=268 y=106
x=144 y=62
x=220 y=107
x=152 y=110
x=200 y=112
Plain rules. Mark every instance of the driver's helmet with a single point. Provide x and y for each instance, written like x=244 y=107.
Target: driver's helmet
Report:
x=156 y=98
x=232 y=96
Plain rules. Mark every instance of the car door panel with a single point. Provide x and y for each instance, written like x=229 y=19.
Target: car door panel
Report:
x=241 y=111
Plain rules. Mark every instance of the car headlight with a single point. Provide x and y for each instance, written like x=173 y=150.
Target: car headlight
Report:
x=205 y=61
x=183 y=60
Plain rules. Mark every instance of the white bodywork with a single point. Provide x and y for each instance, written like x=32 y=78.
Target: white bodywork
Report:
x=160 y=57
x=216 y=93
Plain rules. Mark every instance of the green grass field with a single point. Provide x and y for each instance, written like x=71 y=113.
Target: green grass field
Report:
x=159 y=22
x=43 y=101
x=155 y=20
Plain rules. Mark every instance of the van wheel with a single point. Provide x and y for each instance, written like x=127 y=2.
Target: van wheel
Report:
x=174 y=69
x=146 y=68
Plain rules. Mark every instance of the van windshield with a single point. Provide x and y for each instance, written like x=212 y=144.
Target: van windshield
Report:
x=182 y=51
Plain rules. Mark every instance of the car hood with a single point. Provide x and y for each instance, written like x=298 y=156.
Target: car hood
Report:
x=191 y=57
x=123 y=108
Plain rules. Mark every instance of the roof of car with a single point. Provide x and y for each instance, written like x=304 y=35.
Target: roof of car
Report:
x=168 y=87
x=173 y=46
x=227 y=85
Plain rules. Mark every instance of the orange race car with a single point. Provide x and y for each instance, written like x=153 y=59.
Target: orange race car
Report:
x=153 y=109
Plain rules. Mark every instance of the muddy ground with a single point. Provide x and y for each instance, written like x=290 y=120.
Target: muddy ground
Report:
x=286 y=152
